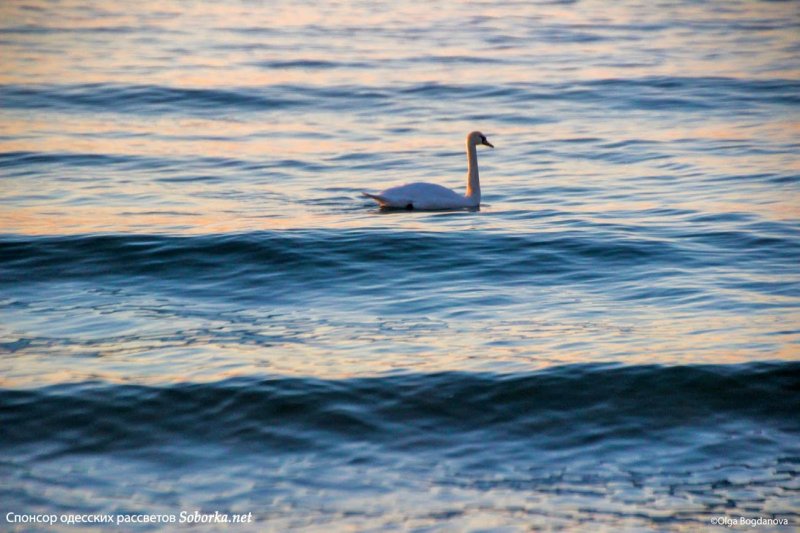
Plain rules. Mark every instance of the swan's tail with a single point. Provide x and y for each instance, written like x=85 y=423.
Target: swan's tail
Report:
x=377 y=197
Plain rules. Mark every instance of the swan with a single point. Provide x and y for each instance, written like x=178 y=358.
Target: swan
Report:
x=428 y=196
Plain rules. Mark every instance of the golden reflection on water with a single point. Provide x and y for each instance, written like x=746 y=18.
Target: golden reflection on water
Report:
x=69 y=56
x=524 y=345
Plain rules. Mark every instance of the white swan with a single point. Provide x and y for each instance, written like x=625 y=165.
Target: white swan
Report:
x=430 y=196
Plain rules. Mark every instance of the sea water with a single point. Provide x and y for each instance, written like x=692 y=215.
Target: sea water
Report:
x=200 y=313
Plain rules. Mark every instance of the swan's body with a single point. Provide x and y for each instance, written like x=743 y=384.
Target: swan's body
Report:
x=430 y=196
x=424 y=196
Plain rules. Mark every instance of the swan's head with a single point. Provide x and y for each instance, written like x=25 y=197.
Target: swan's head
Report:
x=477 y=137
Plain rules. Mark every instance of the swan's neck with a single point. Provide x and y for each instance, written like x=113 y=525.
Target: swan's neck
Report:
x=473 y=182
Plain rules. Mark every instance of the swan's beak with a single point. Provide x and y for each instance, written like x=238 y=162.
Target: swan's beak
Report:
x=487 y=143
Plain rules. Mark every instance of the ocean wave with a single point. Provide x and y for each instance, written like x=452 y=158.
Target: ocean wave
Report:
x=557 y=407
x=310 y=64
x=34 y=162
x=312 y=251
x=101 y=253
x=112 y=97
x=682 y=94
x=384 y=265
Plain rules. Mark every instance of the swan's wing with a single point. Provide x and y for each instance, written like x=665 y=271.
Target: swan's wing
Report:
x=427 y=196
x=420 y=190
x=419 y=196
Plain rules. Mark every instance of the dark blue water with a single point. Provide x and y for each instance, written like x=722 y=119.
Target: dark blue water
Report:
x=200 y=312
x=627 y=443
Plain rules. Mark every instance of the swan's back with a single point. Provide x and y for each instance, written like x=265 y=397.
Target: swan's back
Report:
x=421 y=196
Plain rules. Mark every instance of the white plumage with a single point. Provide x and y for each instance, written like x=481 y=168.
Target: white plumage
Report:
x=430 y=196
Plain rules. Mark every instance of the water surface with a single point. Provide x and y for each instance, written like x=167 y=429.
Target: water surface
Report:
x=200 y=311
